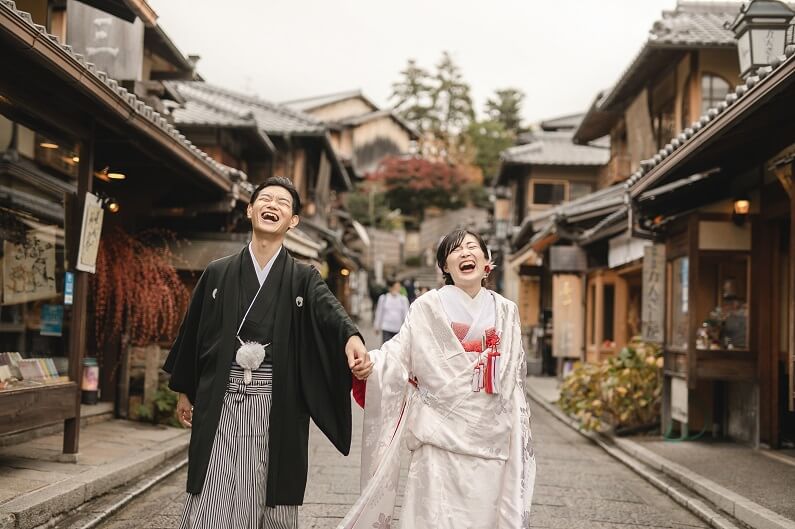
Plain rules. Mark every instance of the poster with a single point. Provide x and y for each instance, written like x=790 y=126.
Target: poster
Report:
x=52 y=320
x=90 y=234
x=29 y=268
x=68 y=288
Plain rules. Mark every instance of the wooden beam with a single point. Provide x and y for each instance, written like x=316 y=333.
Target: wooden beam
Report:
x=79 y=322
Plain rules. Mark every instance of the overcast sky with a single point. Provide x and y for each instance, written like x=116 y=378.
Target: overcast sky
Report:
x=559 y=52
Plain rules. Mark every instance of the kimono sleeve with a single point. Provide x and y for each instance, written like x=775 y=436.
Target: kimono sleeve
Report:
x=182 y=361
x=323 y=366
x=385 y=397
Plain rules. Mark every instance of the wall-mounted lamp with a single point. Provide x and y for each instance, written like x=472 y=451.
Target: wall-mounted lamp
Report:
x=106 y=175
x=345 y=272
x=742 y=207
x=110 y=204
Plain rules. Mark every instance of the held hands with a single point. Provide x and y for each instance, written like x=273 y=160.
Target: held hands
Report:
x=358 y=358
x=184 y=411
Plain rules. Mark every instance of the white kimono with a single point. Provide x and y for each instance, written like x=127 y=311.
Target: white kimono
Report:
x=472 y=463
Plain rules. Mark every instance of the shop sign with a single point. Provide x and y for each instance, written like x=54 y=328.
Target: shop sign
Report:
x=567 y=259
x=29 y=268
x=653 y=310
x=567 y=316
x=90 y=234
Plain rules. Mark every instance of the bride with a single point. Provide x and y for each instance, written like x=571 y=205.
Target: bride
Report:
x=451 y=384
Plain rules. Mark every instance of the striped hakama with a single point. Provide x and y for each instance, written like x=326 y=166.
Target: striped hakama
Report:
x=233 y=496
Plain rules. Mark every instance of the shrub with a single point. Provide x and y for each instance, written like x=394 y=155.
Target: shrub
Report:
x=621 y=392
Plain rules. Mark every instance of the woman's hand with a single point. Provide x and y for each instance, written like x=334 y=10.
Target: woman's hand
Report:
x=184 y=411
x=358 y=358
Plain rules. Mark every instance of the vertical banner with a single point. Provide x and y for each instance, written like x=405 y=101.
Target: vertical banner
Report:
x=90 y=234
x=29 y=268
x=567 y=316
x=653 y=312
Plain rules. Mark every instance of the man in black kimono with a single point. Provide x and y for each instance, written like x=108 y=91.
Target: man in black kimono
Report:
x=250 y=427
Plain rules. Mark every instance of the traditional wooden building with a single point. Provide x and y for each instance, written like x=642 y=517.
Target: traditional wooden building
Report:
x=542 y=176
x=265 y=139
x=362 y=133
x=717 y=200
x=67 y=129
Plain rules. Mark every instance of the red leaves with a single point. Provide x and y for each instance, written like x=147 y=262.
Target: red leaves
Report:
x=418 y=174
x=136 y=291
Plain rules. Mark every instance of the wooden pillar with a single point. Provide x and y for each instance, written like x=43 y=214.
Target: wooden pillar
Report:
x=78 y=331
x=791 y=318
x=694 y=90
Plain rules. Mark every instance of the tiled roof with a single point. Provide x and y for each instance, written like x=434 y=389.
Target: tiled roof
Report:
x=364 y=118
x=210 y=104
x=555 y=148
x=309 y=103
x=568 y=122
x=136 y=106
x=710 y=116
x=691 y=25
x=696 y=24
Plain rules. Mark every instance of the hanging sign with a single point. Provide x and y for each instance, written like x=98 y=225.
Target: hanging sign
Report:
x=90 y=234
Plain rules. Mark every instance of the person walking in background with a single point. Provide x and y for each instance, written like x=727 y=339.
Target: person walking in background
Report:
x=390 y=312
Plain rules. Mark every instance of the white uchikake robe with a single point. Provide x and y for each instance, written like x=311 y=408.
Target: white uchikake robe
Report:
x=472 y=462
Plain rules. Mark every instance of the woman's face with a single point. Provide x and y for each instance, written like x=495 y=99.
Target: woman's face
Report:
x=466 y=263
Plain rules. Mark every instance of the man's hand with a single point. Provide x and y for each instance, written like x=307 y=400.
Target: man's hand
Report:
x=184 y=411
x=358 y=358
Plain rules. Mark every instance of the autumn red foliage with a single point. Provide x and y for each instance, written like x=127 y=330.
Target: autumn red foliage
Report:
x=136 y=290
x=418 y=174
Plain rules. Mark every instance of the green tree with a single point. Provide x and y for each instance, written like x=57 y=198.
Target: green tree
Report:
x=452 y=109
x=506 y=107
x=412 y=95
x=489 y=138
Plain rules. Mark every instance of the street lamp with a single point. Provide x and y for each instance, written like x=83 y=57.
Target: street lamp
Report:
x=760 y=29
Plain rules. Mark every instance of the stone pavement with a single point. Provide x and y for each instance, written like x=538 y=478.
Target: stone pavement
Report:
x=578 y=486
x=756 y=486
x=35 y=484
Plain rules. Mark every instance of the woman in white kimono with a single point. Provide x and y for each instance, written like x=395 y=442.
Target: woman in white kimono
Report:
x=451 y=383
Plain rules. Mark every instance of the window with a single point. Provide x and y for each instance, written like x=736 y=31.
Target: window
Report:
x=578 y=190
x=714 y=89
x=549 y=193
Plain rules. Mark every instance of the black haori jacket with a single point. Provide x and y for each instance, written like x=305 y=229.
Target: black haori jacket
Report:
x=311 y=377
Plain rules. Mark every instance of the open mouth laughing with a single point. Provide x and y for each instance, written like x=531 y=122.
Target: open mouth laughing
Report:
x=269 y=216
x=466 y=266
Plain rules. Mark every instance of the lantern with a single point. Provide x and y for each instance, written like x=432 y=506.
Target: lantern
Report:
x=761 y=30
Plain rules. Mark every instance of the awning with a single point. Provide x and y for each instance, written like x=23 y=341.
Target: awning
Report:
x=526 y=255
x=196 y=253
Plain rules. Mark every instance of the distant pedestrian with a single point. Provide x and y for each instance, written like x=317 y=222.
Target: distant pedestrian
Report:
x=391 y=311
x=411 y=291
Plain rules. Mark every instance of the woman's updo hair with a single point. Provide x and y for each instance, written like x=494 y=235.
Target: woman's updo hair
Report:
x=450 y=242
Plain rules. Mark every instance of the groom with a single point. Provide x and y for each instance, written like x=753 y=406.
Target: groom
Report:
x=262 y=295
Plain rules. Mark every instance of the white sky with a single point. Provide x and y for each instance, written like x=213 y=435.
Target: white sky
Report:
x=559 y=52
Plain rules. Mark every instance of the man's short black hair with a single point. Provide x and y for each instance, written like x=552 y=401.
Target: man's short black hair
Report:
x=280 y=181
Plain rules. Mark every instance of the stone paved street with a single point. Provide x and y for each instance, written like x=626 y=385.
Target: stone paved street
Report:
x=578 y=486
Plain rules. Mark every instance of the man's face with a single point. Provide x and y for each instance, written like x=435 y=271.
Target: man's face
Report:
x=272 y=211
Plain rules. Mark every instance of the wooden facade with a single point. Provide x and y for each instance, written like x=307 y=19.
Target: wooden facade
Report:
x=63 y=128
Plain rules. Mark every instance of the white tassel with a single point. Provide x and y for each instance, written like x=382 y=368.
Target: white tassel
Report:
x=249 y=356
